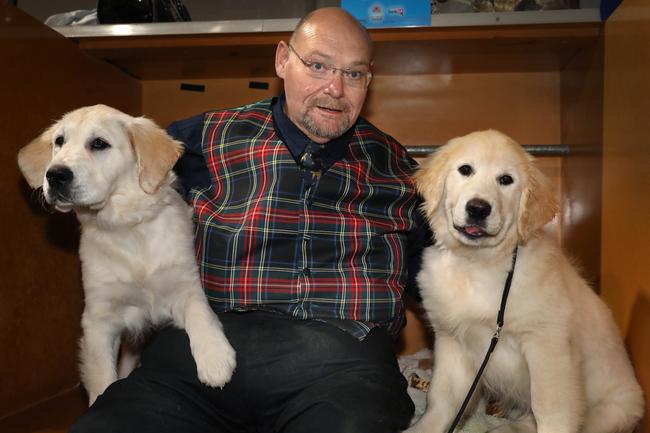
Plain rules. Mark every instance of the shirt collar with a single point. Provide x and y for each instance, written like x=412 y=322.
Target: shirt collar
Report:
x=297 y=141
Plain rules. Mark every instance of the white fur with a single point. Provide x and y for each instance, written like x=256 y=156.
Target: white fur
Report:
x=560 y=365
x=138 y=265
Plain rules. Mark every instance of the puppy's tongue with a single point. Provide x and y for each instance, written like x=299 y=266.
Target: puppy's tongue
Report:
x=473 y=230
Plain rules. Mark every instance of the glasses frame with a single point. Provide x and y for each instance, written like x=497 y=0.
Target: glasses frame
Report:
x=329 y=68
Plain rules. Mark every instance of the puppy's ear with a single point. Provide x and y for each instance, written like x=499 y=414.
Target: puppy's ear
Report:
x=430 y=178
x=34 y=158
x=156 y=152
x=538 y=205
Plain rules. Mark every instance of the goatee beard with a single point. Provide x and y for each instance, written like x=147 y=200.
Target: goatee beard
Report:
x=316 y=130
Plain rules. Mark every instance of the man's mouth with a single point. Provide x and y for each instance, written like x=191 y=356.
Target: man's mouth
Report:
x=331 y=110
x=472 y=231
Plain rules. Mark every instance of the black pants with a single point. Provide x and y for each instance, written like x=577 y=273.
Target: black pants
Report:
x=292 y=376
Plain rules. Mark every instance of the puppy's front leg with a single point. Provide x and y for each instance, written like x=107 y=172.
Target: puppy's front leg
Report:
x=556 y=391
x=99 y=346
x=213 y=354
x=452 y=377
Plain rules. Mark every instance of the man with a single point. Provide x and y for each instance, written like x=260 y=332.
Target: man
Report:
x=306 y=224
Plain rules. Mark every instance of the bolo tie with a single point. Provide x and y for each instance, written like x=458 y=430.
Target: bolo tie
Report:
x=311 y=163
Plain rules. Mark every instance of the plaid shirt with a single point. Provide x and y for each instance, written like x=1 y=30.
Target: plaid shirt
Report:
x=332 y=250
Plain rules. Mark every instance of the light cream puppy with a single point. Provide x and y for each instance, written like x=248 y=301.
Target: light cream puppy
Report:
x=560 y=365
x=138 y=265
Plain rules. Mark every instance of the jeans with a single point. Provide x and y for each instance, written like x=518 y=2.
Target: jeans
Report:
x=292 y=376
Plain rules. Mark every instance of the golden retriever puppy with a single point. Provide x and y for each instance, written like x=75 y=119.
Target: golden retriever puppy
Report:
x=138 y=265
x=560 y=365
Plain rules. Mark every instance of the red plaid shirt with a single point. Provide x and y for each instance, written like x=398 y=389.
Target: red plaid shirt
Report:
x=332 y=250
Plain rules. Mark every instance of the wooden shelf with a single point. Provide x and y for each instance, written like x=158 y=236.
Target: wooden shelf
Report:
x=516 y=48
x=398 y=51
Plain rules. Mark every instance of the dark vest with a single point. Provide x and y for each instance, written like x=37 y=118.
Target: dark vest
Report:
x=335 y=250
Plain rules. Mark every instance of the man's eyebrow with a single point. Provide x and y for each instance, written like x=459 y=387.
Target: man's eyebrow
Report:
x=328 y=58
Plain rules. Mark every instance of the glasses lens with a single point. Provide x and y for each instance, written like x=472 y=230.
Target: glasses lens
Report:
x=318 y=70
x=356 y=78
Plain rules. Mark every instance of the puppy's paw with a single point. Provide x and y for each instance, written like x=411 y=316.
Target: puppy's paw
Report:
x=215 y=363
x=91 y=398
x=426 y=424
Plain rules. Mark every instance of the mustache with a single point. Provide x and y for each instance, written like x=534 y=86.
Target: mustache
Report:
x=330 y=104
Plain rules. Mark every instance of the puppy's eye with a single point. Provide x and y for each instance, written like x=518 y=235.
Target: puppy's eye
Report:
x=506 y=179
x=466 y=170
x=99 y=144
x=59 y=140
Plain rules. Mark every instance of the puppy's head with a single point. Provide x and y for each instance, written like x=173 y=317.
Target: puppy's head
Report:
x=483 y=188
x=94 y=151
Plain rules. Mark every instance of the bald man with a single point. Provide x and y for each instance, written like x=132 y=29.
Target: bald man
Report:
x=307 y=237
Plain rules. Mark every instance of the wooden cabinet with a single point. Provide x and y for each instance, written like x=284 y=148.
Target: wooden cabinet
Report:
x=625 y=251
x=546 y=84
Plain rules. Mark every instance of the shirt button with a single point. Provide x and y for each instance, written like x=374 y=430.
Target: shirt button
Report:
x=306 y=272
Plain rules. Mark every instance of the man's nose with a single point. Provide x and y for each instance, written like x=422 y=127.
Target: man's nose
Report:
x=335 y=85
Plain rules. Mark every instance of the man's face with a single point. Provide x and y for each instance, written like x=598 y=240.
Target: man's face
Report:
x=323 y=107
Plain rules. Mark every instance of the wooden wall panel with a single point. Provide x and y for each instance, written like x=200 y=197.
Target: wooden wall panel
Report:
x=582 y=131
x=43 y=75
x=637 y=337
x=164 y=100
x=626 y=158
x=625 y=272
x=431 y=109
x=523 y=105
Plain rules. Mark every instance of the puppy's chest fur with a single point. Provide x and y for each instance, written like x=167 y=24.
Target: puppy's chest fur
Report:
x=458 y=292
x=462 y=300
x=134 y=267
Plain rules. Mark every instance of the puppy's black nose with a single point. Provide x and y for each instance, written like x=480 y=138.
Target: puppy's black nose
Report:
x=59 y=177
x=478 y=209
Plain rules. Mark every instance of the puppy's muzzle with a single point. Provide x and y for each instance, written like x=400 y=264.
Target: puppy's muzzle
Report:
x=478 y=209
x=59 y=179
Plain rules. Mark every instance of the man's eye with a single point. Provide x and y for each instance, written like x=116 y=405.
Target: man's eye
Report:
x=59 y=140
x=317 y=67
x=99 y=144
x=354 y=75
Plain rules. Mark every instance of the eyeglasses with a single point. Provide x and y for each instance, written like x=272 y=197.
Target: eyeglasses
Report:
x=351 y=77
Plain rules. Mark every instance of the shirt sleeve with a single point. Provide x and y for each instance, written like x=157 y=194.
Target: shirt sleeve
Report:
x=418 y=239
x=191 y=168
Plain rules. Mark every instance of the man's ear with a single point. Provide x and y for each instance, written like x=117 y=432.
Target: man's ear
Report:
x=156 y=152
x=34 y=158
x=281 y=59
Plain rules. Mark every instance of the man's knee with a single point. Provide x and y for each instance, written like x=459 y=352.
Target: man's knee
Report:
x=356 y=402
x=377 y=417
x=368 y=415
x=126 y=419
x=96 y=422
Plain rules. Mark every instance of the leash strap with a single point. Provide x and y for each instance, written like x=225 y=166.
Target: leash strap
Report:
x=493 y=343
